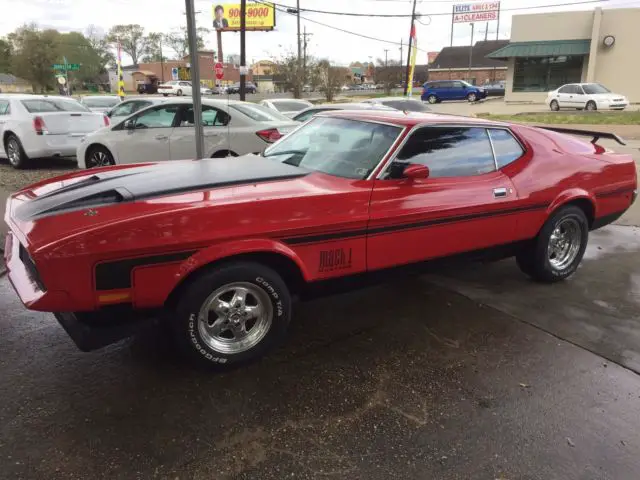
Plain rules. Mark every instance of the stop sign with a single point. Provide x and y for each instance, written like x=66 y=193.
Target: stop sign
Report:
x=219 y=68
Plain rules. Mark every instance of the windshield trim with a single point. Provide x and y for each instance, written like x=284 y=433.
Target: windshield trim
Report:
x=402 y=129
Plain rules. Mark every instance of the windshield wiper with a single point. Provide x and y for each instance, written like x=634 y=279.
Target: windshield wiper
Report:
x=286 y=152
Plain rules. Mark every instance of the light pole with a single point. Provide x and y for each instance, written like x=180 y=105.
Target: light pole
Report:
x=471 y=53
x=194 y=60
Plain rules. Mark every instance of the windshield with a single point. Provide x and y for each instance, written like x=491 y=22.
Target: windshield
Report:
x=51 y=104
x=466 y=84
x=594 y=88
x=336 y=146
x=259 y=113
x=96 y=102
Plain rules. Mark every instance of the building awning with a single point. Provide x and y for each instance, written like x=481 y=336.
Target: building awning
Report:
x=147 y=73
x=542 y=48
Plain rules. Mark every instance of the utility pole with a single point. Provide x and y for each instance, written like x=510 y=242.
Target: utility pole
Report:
x=243 y=52
x=471 y=52
x=386 y=51
x=401 y=50
x=194 y=60
x=413 y=22
x=299 y=89
x=486 y=32
x=304 y=55
x=161 y=60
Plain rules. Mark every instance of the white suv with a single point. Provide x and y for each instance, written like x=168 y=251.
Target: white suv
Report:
x=585 y=96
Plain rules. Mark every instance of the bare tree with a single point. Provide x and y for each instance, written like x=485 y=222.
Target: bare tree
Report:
x=330 y=78
x=131 y=38
x=179 y=42
x=389 y=75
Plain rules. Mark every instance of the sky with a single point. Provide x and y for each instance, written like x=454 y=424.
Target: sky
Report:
x=433 y=31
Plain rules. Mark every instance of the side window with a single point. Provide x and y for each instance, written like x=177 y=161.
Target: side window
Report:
x=139 y=105
x=4 y=107
x=457 y=84
x=448 y=152
x=578 y=89
x=123 y=110
x=506 y=148
x=211 y=117
x=161 y=117
x=565 y=89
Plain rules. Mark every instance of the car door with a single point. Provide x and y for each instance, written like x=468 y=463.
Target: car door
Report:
x=214 y=126
x=459 y=92
x=147 y=139
x=186 y=87
x=565 y=96
x=5 y=111
x=463 y=205
x=578 y=99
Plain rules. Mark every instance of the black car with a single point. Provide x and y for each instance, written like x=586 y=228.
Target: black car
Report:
x=248 y=88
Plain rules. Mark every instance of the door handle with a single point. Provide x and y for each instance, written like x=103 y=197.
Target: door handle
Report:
x=211 y=134
x=499 y=192
x=161 y=137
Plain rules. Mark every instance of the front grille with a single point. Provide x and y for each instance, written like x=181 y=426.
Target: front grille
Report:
x=32 y=271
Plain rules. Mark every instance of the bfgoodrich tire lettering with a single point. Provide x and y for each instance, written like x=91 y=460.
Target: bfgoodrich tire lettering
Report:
x=558 y=249
x=212 y=328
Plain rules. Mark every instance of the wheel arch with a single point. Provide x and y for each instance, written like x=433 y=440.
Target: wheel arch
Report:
x=223 y=153
x=579 y=198
x=92 y=146
x=5 y=136
x=270 y=253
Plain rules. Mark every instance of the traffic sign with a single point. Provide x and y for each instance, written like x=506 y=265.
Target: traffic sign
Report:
x=174 y=73
x=62 y=80
x=219 y=68
x=73 y=67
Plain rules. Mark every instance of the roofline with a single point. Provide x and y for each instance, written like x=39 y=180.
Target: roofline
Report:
x=444 y=69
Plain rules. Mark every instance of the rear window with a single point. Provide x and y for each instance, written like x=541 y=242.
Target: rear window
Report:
x=44 y=105
x=97 y=102
x=259 y=113
x=290 y=106
x=506 y=148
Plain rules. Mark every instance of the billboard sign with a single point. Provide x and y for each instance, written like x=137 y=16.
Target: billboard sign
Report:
x=476 y=12
x=259 y=16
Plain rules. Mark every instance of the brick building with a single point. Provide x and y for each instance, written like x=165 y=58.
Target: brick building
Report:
x=452 y=63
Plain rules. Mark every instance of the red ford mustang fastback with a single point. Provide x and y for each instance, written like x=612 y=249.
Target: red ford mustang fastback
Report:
x=219 y=246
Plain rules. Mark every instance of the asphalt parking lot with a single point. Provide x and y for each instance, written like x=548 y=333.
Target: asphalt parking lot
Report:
x=472 y=373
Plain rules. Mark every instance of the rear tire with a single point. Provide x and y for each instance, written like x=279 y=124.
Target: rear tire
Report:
x=557 y=251
x=179 y=93
x=591 y=106
x=232 y=314
x=99 y=156
x=165 y=94
x=15 y=153
x=554 y=105
x=432 y=99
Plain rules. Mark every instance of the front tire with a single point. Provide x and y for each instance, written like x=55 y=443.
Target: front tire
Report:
x=165 y=94
x=591 y=106
x=232 y=314
x=472 y=97
x=15 y=153
x=99 y=156
x=554 y=105
x=557 y=251
x=179 y=93
x=432 y=99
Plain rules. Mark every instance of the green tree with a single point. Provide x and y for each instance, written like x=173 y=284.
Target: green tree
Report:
x=5 y=56
x=98 y=41
x=34 y=53
x=153 y=48
x=77 y=49
x=179 y=41
x=131 y=38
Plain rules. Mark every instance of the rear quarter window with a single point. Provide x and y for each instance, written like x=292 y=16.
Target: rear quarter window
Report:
x=506 y=147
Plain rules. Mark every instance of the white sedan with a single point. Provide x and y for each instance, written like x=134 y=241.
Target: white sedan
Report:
x=585 y=96
x=100 y=103
x=166 y=132
x=286 y=106
x=175 y=87
x=42 y=126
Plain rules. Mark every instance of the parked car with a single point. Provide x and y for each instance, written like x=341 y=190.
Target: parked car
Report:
x=248 y=88
x=495 y=89
x=166 y=132
x=307 y=89
x=218 y=247
x=286 y=106
x=220 y=90
x=175 y=87
x=442 y=90
x=406 y=104
x=586 y=96
x=148 y=88
x=307 y=113
x=131 y=106
x=42 y=126
x=100 y=103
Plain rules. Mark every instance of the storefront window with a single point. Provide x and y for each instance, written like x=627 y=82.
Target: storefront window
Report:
x=542 y=74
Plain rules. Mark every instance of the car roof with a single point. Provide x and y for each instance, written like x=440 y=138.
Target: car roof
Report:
x=99 y=96
x=352 y=106
x=408 y=119
x=276 y=100
x=26 y=96
x=387 y=99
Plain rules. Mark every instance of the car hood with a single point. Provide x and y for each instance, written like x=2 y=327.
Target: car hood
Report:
x=110 y=186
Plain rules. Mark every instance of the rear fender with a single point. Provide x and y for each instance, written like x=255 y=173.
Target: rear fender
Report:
x=572 y=195
x=230 y=249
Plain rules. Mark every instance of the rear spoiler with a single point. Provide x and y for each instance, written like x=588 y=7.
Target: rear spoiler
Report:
x=586 y=133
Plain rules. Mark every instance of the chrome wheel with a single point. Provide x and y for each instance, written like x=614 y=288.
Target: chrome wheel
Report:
x=100 y=158
x=235 y=318
x=564 y=243
x=13 y=151
x=432 y=99
x=591 y=106
x=472 y=97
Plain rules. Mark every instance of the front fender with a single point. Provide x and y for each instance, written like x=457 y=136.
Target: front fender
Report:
x=229 y=249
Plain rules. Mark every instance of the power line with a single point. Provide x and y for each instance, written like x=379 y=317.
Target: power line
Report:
x=401 y=15
x=390 y=42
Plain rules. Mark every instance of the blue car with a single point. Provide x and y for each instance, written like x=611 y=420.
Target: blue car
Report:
x=441 y=90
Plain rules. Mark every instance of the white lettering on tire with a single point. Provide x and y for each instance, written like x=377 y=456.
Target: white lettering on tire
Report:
x=196 y=344
x=272 y=291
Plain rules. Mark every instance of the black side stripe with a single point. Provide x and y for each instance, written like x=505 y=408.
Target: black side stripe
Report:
x=408 y=226
x=115 y=275
x=614 y=193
